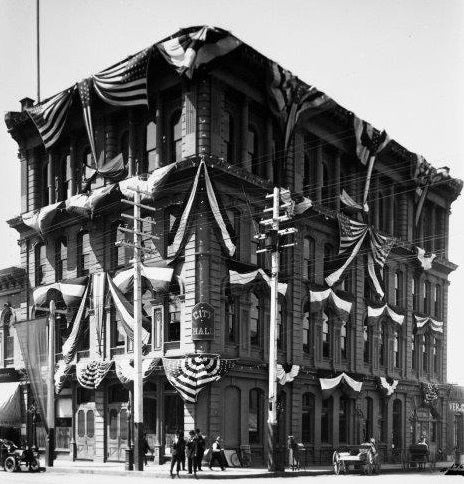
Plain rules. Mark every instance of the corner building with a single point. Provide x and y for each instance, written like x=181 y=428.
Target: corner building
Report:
x=221 y=116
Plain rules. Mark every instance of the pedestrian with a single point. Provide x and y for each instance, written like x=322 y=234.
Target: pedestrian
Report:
x=177 y=448
x=201 y=446
x=216 y=454
x=146 y=448
x=182 y=449
x=192 y=452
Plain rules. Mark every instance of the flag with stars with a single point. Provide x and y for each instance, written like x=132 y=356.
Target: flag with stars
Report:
x=50 y=116
x=186 y=51
x=84 y=88
x=369 y=141
x=191 y=374
x=125 y=83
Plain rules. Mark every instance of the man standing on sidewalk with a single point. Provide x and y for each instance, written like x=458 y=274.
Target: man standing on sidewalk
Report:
x=192 y=452
x=201 y=446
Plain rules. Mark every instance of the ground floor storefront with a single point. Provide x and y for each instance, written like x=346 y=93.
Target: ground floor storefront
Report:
x=96 y=425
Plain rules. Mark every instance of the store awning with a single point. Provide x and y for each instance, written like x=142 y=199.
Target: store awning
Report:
x=10 y=404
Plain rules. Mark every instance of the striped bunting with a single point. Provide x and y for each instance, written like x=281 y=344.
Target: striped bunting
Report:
x=71 y=290
x=41 y=220
x=125 y=83
x=158 y=277
x=188 y=51
x=246 y=280
x=422 y=322
x=50 y=116
x=425 y=261
x=126 y=311
x=91 y=373
x=352 y=235
x=321 y=299
x=380 y=247
x=69 y=348
x=191 y=374
x=290 y=98
x=373 y=314
x=62 y=371
x=328 y=385
x=125 y=371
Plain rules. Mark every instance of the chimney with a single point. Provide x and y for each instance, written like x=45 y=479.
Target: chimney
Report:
x=26 y=102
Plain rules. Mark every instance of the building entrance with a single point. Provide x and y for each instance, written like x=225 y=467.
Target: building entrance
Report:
x=117 y=422
x=85 y=432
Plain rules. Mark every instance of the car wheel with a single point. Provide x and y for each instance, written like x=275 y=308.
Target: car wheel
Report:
x=10 y=464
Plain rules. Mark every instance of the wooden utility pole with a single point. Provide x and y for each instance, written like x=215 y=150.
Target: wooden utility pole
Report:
x=272 y=245
x=38 y=47
x=50 y=448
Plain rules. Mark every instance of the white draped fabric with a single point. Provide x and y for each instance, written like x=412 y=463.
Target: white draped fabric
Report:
x=389 y=389
x=125 y=367
x=10 y=404
x=330 y=384
x=425 y=262
x=375 y=313
x=326 y=296
x=287 y=377
x=242 y=279
x=434 y=325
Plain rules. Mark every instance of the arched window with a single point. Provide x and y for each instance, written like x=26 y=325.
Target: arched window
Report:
x=306 y=332
x=83 y=253
x=382 y=344
x=396 y=348
x=369 y=419
x=399 y=290
x=255 y=323
x=281 y=325
x=309 y=259
x=252 y=151
x=326 y=420
x=8 y=338
x=231 y=320
x=438 y=303
x=229 y=137
x=344 y=340
x=325 y=336
x=382 y=421
x=424 y=350
x=343 y=420
x=40 y=255
x=151 y=147
x=175 y=136
x=61 y=259
x=366 y=343
x=397 y=424
x=415 y=293
x=307 y=418
x=255 y=416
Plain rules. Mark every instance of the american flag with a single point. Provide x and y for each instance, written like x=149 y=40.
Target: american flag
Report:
x=290 y=98
x=187 y=51
x=380 y=247
x=369 y=141
x=125 y=83
x=84 y=88
x=352 y=235
x=50 y=116
x=191 y=374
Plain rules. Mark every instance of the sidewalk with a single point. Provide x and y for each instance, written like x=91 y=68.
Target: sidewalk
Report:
x=154 y=470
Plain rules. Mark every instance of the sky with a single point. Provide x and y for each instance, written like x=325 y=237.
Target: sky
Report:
x=397 y=64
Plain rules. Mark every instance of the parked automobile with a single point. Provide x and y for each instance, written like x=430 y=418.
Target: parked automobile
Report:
x=14 y=458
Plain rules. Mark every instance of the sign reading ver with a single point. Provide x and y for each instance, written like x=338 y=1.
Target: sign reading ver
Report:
x=202 y=322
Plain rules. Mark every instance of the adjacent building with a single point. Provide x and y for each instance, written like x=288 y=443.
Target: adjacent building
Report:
x=221 y=117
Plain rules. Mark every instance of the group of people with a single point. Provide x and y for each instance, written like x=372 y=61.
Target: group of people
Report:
x=193 y=448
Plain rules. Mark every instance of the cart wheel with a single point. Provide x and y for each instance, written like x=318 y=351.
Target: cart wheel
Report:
x=10 y=464
x=336 y=463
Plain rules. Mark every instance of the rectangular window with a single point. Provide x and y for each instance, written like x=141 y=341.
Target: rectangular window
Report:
x=366 y=339
x=415 y=294
x=280 y=327
x=343 y=340
x=83 y=254
x=157 y=324
x=382 y=421
x=61 y=259
x=399 y=289
x=427 y=296
x=254 y=321
x=325 y=337
x=309 y=259
x=438 y=301
x=343 y=420
x=150 y=147
x=306 y=333
x=40 y=253
x=231 y=321
x=173 y=332
x=326 y=421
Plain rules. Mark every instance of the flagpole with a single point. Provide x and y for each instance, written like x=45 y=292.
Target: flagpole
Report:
x=38 y=47
x=50 y=449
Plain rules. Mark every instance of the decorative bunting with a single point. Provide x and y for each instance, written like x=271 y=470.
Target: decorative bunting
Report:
x=247 y=279
x=85 y=90
x=158 y=277
x=86 y=206
x=287 y=373
x=380 y=247
x=71 y=290
x=427 y=321
x=126 y=311
x=191 y=374
x=125 y=371
x=91 y=373
x=321 y=299
x=125 y=83
x=50 y=116
x=374 y=314
x=98 y=306
x=328 y=385
x=425 y=261
x=349 y=202
x=388 y=388
x=41 y=220
x=62 y=371
x=188 y=51
x=181 y=231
